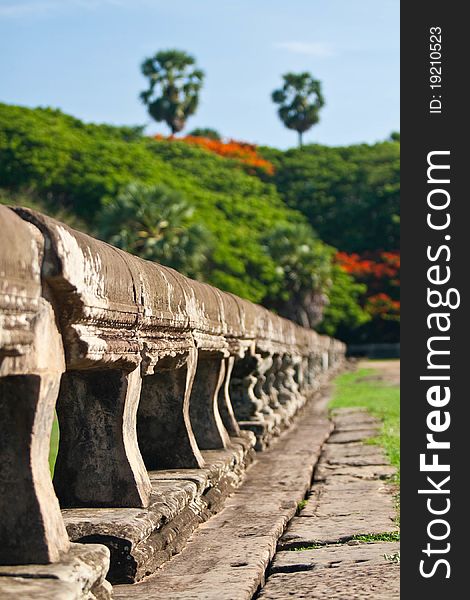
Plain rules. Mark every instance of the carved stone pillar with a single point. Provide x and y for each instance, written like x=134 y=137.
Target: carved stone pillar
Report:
x=99 y=462
x=264 y=364
x=166 y=437
x=246 y=404
x=288 y=391
x=31 y=526
x=31 y=364
x=225 y=403
x=203 y=408
x=270 y=382
x=272 y=390
x=251 y=402
x=309 y=373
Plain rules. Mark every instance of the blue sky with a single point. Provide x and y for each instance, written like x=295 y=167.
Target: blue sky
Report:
x=84 y=56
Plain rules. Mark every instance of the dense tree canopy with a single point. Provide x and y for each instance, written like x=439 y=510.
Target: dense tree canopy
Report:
x=74 y=167
x=206 y=132
x=350 y=194
x=226 y=213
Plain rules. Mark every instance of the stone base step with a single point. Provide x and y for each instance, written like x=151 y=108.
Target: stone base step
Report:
x=141 y=540
x=79 y=575
x=227 y=557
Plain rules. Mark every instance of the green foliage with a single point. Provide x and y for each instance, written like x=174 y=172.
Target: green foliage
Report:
x=388 y=536
x=311 y=289
x=350 y=195
x=207 y=132
x=73 y=167
x=128 y=133
x=303 y=265
x=174 y=85
x=29 y=199
x=225 y=225
x=155 y=223
x=54 y=445
x=300 y=100
x=343 y=312
x=68 y=163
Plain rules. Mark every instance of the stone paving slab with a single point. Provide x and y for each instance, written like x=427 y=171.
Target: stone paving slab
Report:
x=369 y=497
x=357 y=582
x=356 y=435
x=329 y=529
x=357 y=423
x=326 y=471
x=353 y=449
x=227 y=557
x=354 y=455
x=342 y=555
x=371 y=460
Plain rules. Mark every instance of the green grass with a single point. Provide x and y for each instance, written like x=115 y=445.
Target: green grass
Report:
x=380 y=399
x=390 y=536
x=394 y=558
x=54 y=447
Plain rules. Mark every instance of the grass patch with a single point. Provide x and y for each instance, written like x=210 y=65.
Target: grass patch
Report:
x=394 y=558
x=300 y=505
x=391 y=536
x=380 y=399
x=54 y=447
x=300 y=548
x=388 y=536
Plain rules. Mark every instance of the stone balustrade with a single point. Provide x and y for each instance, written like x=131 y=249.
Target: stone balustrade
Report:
x=153 y=377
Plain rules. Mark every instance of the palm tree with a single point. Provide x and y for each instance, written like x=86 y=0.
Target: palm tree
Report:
x=174 y=85
x=155 y=223
x=304 y=267
x=300 y=100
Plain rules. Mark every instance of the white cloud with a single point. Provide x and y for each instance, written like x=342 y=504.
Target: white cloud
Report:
x=317 y=49
x=37 y=7
x=20 y=9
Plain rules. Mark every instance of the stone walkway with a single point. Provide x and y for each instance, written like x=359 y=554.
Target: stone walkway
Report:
x=318 y=556
x=258 y=548
x=227 y=557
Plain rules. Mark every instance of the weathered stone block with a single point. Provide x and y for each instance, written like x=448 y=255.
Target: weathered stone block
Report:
x=140 y=540
x=78 y=575
x=31 y=363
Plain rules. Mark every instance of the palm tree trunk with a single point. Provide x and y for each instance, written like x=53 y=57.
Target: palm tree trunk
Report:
x=300 y=139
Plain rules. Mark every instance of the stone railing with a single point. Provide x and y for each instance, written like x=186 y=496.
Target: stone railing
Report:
x=152 y=375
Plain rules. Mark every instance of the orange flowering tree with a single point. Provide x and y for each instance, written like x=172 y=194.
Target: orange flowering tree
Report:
x=243 y=153
x=380 y=272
